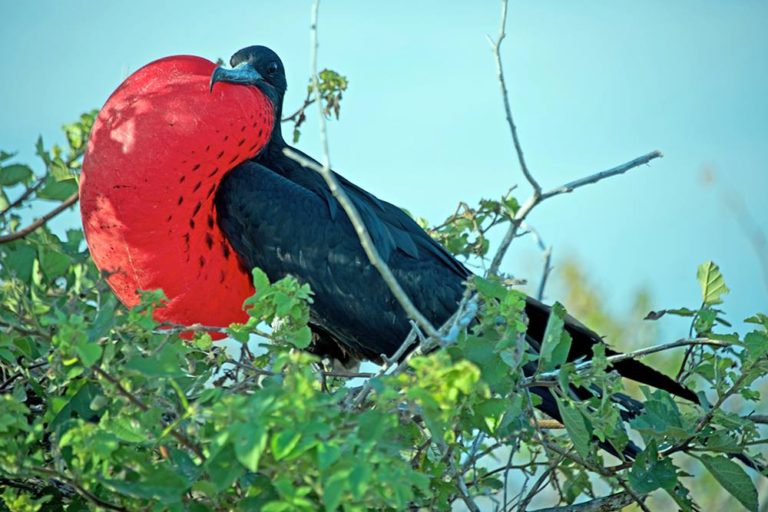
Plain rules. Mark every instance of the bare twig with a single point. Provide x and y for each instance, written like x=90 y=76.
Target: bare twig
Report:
x=464 y=491
x=496 y=48
x=180 y=437
x=82 y=491
x=41 y=221
x=23 y=197
x=599 y=176
x=547 y=252
x=610 y=503
x=536 y=199
x=536 y=489
x=361 y=395
x=341 y=196
x=537 y=196
x=367 y=243
x=542 y=378
x=309 y=100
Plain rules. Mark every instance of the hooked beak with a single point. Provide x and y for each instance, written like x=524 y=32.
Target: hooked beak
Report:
x=240 y=74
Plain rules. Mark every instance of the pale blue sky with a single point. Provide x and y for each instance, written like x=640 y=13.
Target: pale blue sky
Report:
x=593 y=84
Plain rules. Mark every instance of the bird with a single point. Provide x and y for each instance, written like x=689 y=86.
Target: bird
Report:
x=225 y=199
x=281 y=217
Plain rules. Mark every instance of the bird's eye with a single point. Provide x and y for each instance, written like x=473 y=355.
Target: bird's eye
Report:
x=272 y=68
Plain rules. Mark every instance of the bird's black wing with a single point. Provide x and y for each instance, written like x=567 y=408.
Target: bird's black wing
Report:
x=352 y=302
x=391 y=229
x=281 y=222
x=583 y=339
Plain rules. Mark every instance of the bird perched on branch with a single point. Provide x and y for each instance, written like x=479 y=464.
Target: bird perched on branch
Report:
x=237 y=210
x=281 y=217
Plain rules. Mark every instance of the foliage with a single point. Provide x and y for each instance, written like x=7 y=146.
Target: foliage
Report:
x=331 y=86
x=465 y=232
x=103 y=407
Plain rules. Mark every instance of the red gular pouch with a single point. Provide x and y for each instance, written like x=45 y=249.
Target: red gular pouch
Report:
x=156 y=155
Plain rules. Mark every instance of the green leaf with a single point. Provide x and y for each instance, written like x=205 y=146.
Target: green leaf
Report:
x=163 y=364
x=249 y=441
x=224 y=468
x=79 y=406
x=327 y=454
x=53 y=263
x=333 y=490
x=733 y=479
x=88 y=352
x=125 y=428
x=284 y=442
x=158 y=482
x=57 y=190
x=757 y=345
x=557 y=342
x=577 y=427
x=649 y=473
x=13 y=174
x=661 y=418
x=655 y=315
x=712 y=283
x=19 y=257
x=759 y=319
x=490 y=288
x=260 y=280
x=303 y=337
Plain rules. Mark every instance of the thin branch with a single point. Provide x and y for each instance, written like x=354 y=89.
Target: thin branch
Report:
x=41 y=221
x=361 y=395
x=547 y=252
x=366 y=242
x=542 y=378
x=309 y=100
x=180 y=437
x=536 y=488
x=599 y=176
x=10 y=380
x=82 y=491
x=534 y=200
x=707 y=418
x=464 y=491
x=24 y=330
x=610 y=503
x=341 y=196
x=496 y=49
x=23 y=197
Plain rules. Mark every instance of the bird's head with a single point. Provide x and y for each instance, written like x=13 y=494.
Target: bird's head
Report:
x=257 y=66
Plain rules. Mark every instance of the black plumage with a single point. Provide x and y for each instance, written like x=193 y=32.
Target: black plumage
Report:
x=282 y=218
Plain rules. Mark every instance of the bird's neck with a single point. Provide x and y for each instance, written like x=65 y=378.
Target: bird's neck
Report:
x=276 y=142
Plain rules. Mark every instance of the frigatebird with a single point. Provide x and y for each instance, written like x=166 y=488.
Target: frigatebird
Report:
x=281 y=217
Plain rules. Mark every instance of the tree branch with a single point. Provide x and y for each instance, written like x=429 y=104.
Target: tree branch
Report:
x=610 y=503
x=535 y=199
x=547 y=253
x=341 y=196
x=180 y=437
x=23 y=197
x=496 y=48
x=543 y=379
x=79 y=489
x=307 y=102
x=599 y=176
x=41 y=221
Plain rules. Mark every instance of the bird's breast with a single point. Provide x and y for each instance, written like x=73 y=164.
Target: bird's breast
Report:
x=156 y=155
